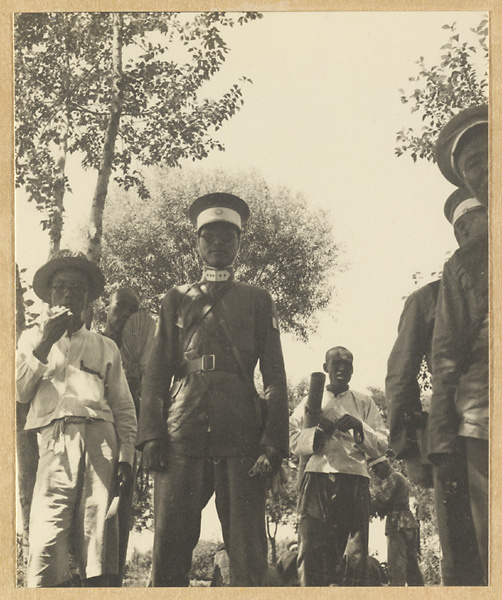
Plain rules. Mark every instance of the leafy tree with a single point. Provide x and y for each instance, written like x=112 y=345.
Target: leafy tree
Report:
x=119 y=89
x=288 y=248
x=459 y=80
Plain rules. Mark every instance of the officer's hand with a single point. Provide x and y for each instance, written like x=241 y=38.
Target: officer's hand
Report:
x=274 y=457
x=418 y=473
x=124 y=475
x=449 y=472
x=155 y=455
x=348 y=422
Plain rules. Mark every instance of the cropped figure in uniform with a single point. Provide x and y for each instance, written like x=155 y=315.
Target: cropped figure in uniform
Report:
x=334 y=500
x=459 y=415
x=408 y=423
x=202 y=425
x=401 y=528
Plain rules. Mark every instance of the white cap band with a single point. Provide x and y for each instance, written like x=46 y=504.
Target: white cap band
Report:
x=457 y=140
x=464 y=207
x=375 y=461
x=218 y=213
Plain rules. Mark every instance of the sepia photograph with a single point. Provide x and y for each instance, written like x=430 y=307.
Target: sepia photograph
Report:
x=252 y=298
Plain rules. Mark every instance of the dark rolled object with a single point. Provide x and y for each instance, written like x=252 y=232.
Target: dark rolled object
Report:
x=314 y=399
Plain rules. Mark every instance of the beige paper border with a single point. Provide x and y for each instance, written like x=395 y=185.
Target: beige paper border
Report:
x=7 y=456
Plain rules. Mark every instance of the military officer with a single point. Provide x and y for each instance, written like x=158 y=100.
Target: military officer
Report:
x=202 y=425
x=462 y=151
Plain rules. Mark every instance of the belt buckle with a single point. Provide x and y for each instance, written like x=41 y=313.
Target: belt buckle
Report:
x=208 y=361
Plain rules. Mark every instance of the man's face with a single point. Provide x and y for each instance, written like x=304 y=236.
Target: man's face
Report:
x=218 y=244
x=339 y=371
x=472 y=163
x=69 y=288
x=122 y=305
x=471 y=225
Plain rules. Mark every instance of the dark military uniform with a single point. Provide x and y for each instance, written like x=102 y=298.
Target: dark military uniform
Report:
x=458 y=424
x=194 y=384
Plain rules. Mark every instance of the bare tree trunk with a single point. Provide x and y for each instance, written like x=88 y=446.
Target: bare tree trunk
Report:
x=26 y=442
x=95 y=232
x=57 y=205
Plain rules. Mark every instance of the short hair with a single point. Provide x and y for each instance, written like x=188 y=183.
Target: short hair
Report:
x=339 y=350
x=128 y=291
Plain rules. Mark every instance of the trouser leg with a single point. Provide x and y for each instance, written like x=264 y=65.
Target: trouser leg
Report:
x=52 y=510
x=396 y=558
x=96 y=538
x=177 y=514
x=354 y=510
x=413 y=573
x=461 y=564
x=240 y=502
x=477 y=469
x=318 y=555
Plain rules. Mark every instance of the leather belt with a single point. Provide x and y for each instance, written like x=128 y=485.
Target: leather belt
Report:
x=207 y=362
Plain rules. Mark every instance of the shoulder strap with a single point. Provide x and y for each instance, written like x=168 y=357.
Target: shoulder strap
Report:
x=205 y=311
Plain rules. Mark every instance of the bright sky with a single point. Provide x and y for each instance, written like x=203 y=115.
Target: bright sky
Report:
x=321 y=117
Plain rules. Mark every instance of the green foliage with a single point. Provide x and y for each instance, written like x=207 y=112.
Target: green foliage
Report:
x=64 y=91
x=203 y=561
x=459 y=80
x=137 y=569
x=287 y=247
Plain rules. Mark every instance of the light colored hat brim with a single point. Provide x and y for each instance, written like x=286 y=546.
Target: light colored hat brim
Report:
x=43 y=277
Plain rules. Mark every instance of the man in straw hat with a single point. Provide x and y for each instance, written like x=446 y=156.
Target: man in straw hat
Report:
x=459 y=414
x=81 y=406
x=202 y=425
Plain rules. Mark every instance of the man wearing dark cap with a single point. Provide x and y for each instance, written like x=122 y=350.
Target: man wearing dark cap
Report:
x=82 y=409
x=459 y=415
x=408 y=422
x=333 y=502
x=202 y=425
x=392 y=500
x=462 y=151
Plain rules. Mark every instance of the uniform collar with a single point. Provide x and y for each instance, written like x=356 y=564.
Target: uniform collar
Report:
x=211 y=275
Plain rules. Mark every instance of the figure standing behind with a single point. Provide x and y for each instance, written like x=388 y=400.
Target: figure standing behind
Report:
x=202 y=425
x=334 y=492
x=81 y=405
x=401 y=528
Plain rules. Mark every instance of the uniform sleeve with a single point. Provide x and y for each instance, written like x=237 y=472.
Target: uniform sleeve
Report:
x=301 y=440
x=122 y=406
x=402 y=391
x=29 y=370
x=159 y=374
x=448 y=343
x=375 y=432
x=274 y=377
